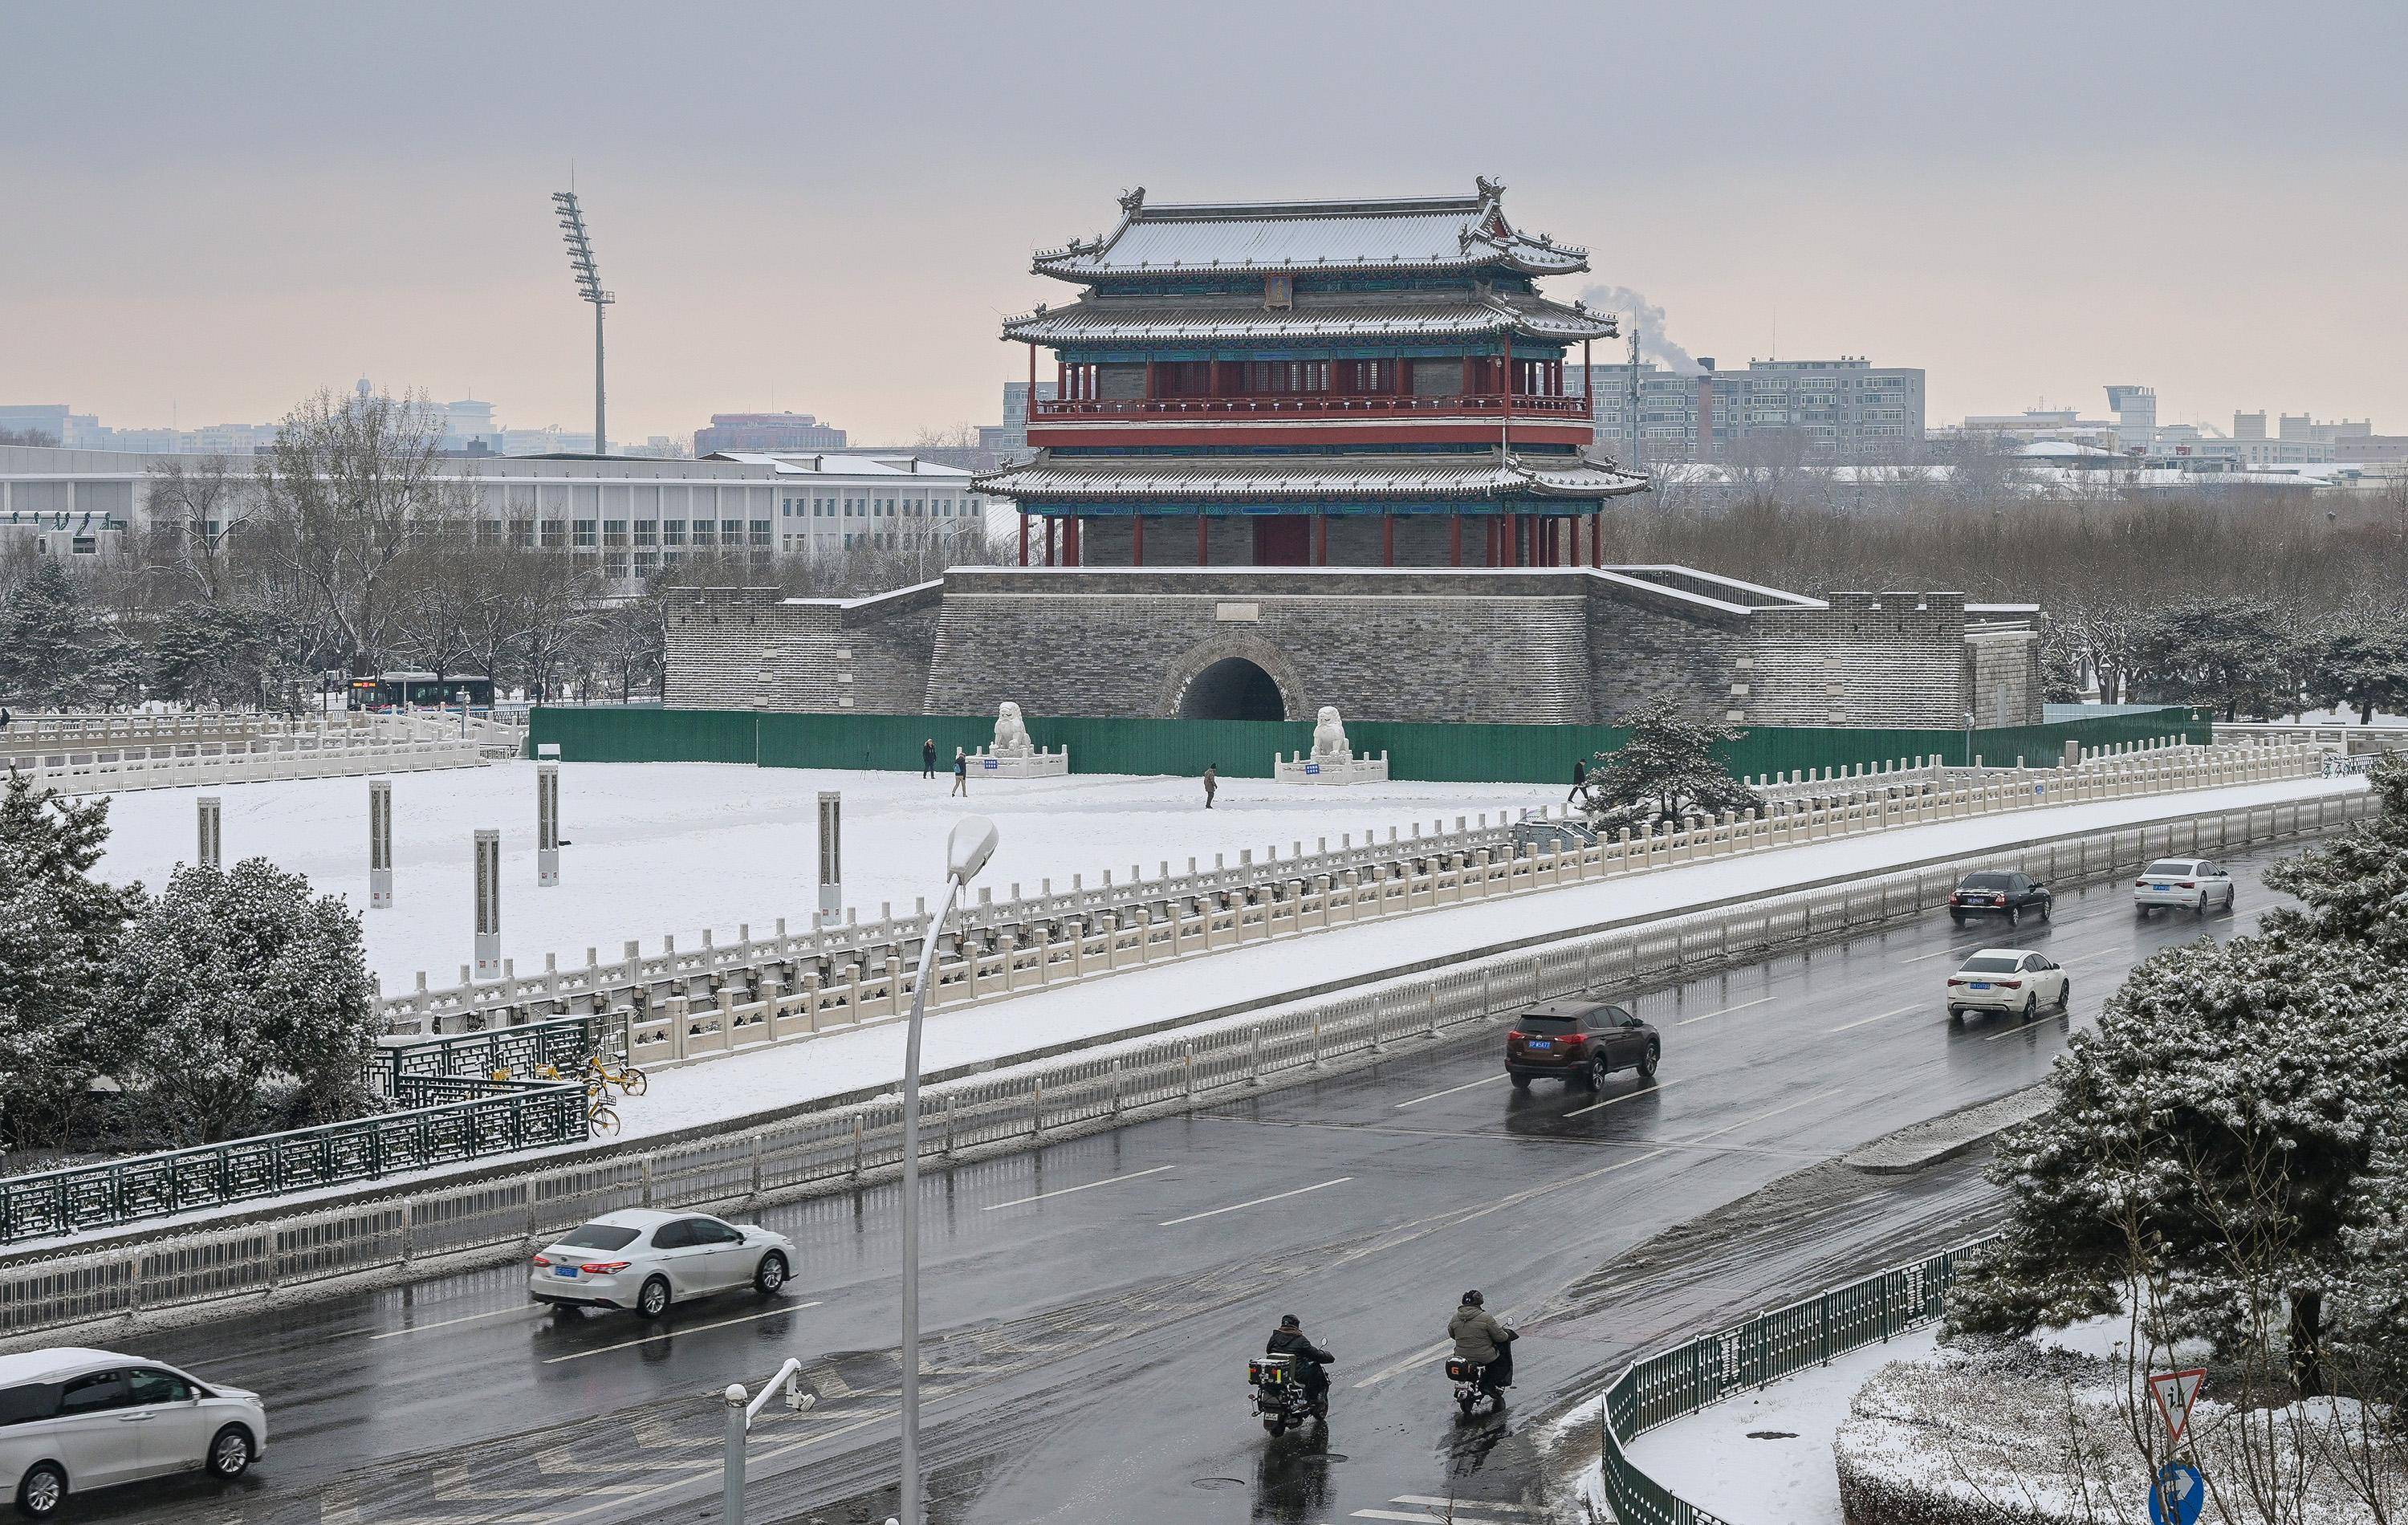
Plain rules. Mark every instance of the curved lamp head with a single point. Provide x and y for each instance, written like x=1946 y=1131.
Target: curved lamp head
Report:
x=967 y=849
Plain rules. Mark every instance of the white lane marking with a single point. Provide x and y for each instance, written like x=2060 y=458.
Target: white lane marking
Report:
x=673 y=1333
x=1745 y=1121
x=1429 y=1353
x=1173 y=1223
x=2039 y=1023
x=1458 y=1504
x=1944 y=953
x=1628 y=1096
x=1425 y=1517
x=1485 y=1080
x=464 y=1319
x=1106 y=1181
x=1724 y=1012
x=1864 y=1021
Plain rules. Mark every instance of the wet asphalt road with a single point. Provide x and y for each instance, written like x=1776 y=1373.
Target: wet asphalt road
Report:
x=1090 y=1307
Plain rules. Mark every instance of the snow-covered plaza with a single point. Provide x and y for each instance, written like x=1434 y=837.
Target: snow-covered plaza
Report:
x=678 y=848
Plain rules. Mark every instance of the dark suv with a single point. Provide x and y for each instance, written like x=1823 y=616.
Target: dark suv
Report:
x=2000 y=892
x=1578 y=1043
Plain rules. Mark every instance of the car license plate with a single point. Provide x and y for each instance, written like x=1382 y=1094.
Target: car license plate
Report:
x=567 y=1270
x=2160 y=888
x=1542 y=1043
x=1981 y=985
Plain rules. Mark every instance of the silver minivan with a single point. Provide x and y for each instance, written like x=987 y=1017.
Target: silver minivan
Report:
x=85 y=1420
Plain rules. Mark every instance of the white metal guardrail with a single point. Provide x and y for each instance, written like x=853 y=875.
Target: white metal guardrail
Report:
x=683 y=1006
x=838 y=1147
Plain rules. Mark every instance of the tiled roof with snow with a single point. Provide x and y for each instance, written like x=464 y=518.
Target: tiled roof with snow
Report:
x=1413 y=233
x=1262 y=478
x=1106 y=320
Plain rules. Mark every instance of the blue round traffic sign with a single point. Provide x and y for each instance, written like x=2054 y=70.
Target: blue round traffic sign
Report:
x=2180 y=1494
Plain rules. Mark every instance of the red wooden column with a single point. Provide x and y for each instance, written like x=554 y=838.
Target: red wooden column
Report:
x=1202 y=557
x=1321 y=540
x=1505 y=429
x=1070 y=541
x=1597 y=538
x=1048 y=539
x=1454 y=540
x=1024 y=513
x=1387 y=540
x=1136 y=539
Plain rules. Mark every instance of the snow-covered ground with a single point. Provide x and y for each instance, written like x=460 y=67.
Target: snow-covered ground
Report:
x=1765 y=1456
x=674 y=848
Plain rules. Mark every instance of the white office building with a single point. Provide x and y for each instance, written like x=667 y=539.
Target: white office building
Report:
x=633 y=517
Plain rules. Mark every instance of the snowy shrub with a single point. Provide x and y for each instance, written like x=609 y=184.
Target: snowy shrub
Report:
x=59 y=932
x=2012 y=1435
x=1666 y=770
x=247 y=1006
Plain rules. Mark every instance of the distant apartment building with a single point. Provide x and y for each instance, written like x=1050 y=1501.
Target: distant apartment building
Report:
x=2136 y=417
x=766 y=432
x=1011 y=439
x=464 y=426
x=1843 y=410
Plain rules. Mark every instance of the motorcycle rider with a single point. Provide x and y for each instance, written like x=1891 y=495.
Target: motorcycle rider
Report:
x=1480 y=1338
x=1305 y=1356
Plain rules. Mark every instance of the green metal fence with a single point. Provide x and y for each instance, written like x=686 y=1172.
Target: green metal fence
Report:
x=1245 y=748
x=450 y=1119
x=563 y=1044
x=1675 y=1383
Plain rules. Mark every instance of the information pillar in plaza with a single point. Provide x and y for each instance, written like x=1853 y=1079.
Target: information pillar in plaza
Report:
x=1360 y=384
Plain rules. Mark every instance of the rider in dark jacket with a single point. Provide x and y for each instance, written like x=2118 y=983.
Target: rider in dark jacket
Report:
x=1307 y=1358
x=1479 y=1336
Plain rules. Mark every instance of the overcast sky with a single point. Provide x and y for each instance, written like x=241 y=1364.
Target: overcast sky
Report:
x=216 y=210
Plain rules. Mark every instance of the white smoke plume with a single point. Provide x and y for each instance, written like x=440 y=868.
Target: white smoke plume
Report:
x=1635 y=309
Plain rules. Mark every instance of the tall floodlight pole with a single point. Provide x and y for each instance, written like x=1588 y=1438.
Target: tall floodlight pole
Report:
x=589 y=287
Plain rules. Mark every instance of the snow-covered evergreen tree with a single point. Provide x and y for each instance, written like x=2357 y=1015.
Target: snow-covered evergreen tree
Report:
x=1666 y=770
x=60 y=930
x=2218 y=1133
x=2353 y=888
x=57 y=652
x=252 y=1004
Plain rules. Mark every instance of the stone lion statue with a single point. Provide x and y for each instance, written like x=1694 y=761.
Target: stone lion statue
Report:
x=1011 y=733
x=1329 y=737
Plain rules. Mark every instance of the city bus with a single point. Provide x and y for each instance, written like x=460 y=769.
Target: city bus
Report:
x=419 y=691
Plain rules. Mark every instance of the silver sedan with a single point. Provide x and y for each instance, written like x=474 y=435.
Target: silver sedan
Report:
x=642 y=1260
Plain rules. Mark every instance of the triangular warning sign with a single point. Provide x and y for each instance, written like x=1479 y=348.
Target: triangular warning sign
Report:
x=2175 y=1391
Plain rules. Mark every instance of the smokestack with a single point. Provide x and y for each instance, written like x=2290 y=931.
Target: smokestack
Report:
x=1705 y=407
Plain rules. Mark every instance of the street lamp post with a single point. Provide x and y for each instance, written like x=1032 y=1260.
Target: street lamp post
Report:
x=967 y=850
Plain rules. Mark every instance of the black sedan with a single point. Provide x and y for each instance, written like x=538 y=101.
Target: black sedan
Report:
x=2000 y=892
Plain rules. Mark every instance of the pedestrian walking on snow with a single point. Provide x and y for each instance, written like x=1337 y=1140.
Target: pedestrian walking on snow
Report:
x=1580 y=778
x=928 y=758
x=961 y=774
x=1211 y=782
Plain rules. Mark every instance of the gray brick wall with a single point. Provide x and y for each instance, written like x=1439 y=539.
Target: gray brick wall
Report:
x=1472 y=646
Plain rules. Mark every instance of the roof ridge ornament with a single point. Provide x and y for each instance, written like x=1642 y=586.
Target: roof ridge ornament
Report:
x=1488 y=187
x=1133 y=201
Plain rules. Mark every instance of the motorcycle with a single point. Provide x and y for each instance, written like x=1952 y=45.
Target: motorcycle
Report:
x=1280 y=1399
x=1471 y=1387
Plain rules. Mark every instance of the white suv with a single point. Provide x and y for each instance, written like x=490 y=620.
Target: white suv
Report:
x=84 y=1420
x=2184 y=884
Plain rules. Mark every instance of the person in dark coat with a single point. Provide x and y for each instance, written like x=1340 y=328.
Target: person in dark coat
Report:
x=1580 y=778
x=928 y=758
x=1481 y=1338
x=1211 y=782
x=1307 y=1358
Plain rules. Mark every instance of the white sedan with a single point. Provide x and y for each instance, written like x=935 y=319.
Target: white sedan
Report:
x=642 y=1260
x=2008 y=980
x=2187 y=884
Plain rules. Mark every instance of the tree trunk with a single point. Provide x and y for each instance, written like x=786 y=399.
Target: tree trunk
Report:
x=2307 y=1341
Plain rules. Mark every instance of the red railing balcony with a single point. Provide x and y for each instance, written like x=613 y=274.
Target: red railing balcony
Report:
x=1305 y=405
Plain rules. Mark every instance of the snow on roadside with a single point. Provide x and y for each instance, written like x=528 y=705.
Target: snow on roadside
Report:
x=675 y=848
x=1256 y=977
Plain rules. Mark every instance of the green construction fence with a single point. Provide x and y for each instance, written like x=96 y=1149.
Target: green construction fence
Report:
x=1244 y=748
